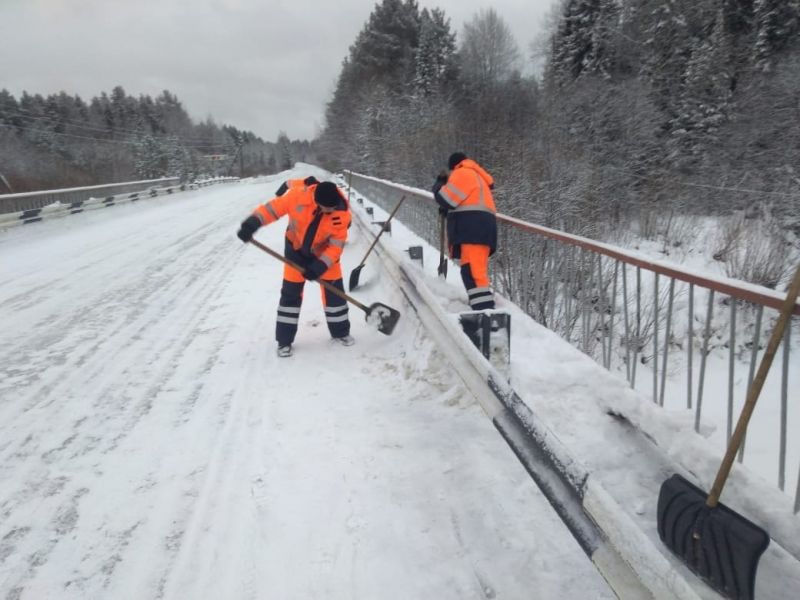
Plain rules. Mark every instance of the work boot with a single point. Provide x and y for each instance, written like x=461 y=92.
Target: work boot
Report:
x=284 y=351
x=345 y=340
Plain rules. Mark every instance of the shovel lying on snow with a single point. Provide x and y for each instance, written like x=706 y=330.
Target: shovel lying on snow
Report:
x=357 y=271
x=716 y=543
x=383 y=317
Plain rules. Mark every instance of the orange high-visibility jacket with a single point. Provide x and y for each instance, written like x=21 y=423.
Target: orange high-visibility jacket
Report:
x=299 y=205
x=467 y=196
x=469 y=188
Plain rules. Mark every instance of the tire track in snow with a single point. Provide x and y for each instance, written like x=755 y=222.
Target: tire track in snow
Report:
x=173 y=341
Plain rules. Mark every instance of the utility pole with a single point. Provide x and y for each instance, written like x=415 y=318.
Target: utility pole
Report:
x=241 y=160
x=5 y=181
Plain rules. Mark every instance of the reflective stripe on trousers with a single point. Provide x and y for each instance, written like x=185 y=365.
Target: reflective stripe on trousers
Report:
x=475 y=275
x=336 y=311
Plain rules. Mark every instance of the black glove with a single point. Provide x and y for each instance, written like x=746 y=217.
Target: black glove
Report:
x=443 y=211
x=441 y=179
x=315 y=269
x=282 y=190
x=310 y=180
x=248 y=227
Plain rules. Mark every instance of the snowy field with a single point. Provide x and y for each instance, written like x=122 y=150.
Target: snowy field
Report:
x=152 y=445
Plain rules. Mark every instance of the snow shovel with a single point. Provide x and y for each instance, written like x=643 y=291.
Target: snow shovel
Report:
x=380 y=315
x=717 y=544
x=357 y=271
x=442 y=269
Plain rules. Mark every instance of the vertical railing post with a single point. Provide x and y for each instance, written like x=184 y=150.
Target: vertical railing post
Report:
x=666 y=342
x=655 y=338
x=731 y=367
x=701 y=381
x=787 y=338
x=691 y=348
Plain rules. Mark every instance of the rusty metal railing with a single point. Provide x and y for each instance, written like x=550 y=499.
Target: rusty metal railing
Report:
x=640 y=317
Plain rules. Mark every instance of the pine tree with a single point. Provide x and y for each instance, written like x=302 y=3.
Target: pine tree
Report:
x=150 y=159
x=284 y=152
x=584 y=43
x=705 y=97
x=384 y=50
x=435 y=55
x=179 y=161
x=9 y=109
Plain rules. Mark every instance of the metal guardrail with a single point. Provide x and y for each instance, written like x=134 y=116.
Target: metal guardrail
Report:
x=58 y=209
x=620 y=308
x=10 y=203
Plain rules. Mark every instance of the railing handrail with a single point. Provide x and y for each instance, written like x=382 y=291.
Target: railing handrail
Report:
x=741 y=290
x=623 y=316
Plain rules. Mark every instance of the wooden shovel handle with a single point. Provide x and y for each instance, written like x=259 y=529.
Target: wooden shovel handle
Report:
x=380 y=233
x=331 y=288
x=755 y=389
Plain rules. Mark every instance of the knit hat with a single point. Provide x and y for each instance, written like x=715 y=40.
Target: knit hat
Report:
x=327 y=195
x=455 y=158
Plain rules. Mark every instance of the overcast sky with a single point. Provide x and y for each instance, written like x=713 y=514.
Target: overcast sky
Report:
x=260 y=65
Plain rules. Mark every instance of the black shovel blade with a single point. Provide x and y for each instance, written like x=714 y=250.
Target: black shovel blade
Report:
x=354 y=275
x=717 y=544
x=383 y=317
x=442 y=270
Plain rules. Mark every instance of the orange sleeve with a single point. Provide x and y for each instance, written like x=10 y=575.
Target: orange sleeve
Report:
x=274 y=209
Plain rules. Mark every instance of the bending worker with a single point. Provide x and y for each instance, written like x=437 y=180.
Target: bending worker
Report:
x=315 y=237
x=464 y=195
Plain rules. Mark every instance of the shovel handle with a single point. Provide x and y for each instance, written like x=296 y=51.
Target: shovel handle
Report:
x=755 y=389
x=442 y=269
x=380 y=233
x=331 y=288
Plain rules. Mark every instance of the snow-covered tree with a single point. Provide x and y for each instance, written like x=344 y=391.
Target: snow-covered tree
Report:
x=488 y=51
x=704 y=99
x=585 y=42
x=150 y=159
x=284 y=152
x=384 y=49
x=436 y=53
x=777 y=26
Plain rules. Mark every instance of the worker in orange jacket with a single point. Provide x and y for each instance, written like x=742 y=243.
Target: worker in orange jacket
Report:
x=464 y=195
x=319 y=217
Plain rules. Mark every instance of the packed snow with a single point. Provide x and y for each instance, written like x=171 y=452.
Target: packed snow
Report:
x=154 y=446
x=628 y=444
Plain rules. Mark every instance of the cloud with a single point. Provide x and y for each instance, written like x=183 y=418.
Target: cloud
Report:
x=262 y=65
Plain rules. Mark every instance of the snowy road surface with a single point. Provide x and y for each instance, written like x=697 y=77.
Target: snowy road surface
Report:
x=152 y=445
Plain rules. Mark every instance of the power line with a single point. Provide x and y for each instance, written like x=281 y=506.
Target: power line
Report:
x=708 y=186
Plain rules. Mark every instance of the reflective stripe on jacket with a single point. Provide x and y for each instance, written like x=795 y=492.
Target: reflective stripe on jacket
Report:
x=298 y=204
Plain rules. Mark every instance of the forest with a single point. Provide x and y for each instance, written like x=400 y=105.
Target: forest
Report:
x=60 y=140
x=645 y=113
